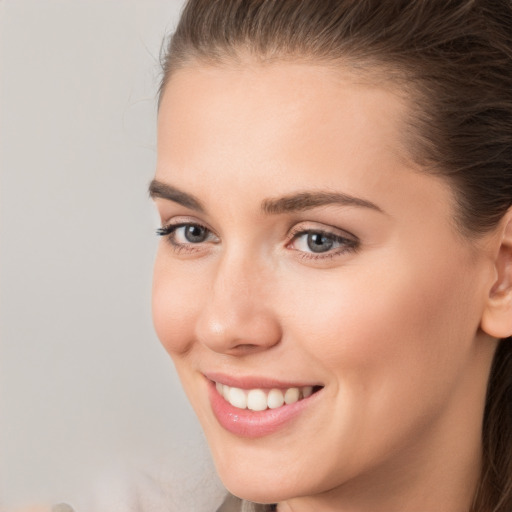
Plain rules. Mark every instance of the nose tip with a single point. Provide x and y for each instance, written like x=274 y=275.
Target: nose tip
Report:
x=237 y=316
x=235 y=334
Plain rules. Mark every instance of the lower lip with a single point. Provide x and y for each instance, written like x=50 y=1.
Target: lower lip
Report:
x=247 y=423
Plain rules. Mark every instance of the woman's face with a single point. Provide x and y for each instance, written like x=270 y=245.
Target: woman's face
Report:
x=304 y=253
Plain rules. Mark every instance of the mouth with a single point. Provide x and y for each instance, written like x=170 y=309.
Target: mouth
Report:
x=258 y=407
x=260 y=399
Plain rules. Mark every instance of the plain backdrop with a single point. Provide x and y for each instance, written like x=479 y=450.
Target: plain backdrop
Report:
x=87 y=392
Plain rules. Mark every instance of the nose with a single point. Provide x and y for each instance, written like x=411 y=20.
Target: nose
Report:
x=237 y=316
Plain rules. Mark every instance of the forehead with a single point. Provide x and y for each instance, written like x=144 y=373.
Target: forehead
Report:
x=294 y=103
x=259 y=131
x=247 y=115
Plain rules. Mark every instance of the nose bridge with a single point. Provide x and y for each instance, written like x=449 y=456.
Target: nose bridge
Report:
x=239 y=278
x=237 y=313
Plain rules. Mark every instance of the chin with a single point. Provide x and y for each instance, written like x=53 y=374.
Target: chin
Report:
x=265 y=482
x=258 y=494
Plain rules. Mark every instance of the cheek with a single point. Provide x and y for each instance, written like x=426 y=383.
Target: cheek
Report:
x=174 y=305
x=393 y=346
x=402 y=322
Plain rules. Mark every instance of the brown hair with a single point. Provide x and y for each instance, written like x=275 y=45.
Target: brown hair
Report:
x=454 y=58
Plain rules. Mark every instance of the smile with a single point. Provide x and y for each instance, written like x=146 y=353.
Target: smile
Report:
x=260 y=399
x=258 y=406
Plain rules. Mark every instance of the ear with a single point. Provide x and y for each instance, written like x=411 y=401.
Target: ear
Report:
x=497 y=316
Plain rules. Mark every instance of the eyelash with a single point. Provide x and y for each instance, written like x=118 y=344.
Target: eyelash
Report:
x=346 y=244
x=169 y=233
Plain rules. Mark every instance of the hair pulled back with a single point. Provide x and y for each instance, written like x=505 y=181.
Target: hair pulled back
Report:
x=454 y=60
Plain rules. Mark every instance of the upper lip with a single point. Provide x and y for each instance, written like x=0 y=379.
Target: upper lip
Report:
x=255 y=382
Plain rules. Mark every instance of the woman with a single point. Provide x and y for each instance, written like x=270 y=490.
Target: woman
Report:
x=334 y=281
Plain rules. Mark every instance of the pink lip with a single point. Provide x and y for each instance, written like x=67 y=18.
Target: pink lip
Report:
x=255 y=382
x=247 y=423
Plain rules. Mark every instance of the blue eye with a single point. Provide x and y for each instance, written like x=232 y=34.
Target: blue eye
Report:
x=311 y=243
x=318 y=242
x=191 y=233
x=185 y=234
x=321 y=242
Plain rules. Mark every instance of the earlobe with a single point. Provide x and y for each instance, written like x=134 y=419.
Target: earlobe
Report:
x=497 y=316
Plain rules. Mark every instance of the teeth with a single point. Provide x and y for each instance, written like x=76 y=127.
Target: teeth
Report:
x=291 y=396
x=307 y=391
x=259 y=400
x=256 y=400
x=238 y=398
x=275 y=399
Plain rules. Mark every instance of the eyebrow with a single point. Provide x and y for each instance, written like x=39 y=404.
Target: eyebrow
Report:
x=303 y=201
x=297 y=202
x=165 y=191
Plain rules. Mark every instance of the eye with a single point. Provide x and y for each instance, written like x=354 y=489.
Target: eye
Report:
x=186 y=234
x=191 y=233
x=316 y=243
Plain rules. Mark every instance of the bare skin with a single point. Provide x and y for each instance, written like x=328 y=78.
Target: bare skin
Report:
x=390 y=313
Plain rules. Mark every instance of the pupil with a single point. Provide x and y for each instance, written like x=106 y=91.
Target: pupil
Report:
x=195 y=234
x=319 y=243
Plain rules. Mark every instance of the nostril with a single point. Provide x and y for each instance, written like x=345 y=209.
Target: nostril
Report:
x=243 y=348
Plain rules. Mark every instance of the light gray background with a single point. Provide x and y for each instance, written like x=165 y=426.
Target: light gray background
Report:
x=86 y=389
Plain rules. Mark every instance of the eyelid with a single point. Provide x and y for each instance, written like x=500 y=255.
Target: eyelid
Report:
x=322 y=228
x=183 y=220
x=168 y=230
x=348 y=242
